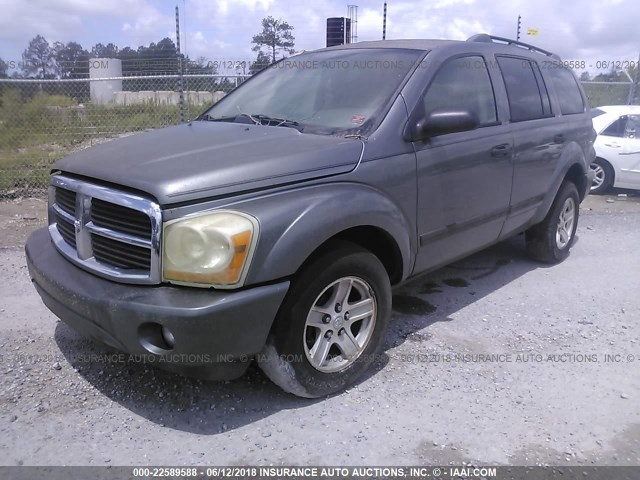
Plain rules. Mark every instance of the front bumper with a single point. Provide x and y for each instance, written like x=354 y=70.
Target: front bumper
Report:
x=216 y=332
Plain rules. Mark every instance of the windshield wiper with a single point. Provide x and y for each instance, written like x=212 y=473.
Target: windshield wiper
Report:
x=240 y=118
x=257 y=119
x=262 y=119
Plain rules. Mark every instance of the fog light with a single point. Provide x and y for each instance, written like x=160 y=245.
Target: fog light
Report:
x=168 y=337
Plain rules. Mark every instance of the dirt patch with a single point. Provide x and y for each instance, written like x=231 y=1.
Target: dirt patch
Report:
x=20 y=217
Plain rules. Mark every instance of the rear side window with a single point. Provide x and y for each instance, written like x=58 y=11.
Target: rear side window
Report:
x=567 y=90
x=463 y=83
x=526 y=90
x=596 y=112
x=616 y=129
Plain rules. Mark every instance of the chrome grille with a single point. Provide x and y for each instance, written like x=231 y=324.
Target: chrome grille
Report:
x=66 y=200
x=123 y=219
x=66 y=229
x=120 y=254
x=112 y=233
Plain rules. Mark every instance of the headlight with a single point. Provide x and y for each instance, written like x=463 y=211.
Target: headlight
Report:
x=211 y=249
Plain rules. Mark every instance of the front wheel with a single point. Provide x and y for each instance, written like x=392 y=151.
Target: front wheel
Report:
x=550 y=240
x=331 y=324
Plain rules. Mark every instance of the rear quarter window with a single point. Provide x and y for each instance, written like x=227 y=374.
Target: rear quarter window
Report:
x=526 y=91
x=566 y=87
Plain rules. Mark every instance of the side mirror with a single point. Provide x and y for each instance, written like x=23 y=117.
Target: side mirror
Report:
x=441 y=121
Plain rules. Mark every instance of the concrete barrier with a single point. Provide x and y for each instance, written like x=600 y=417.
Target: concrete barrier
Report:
x=217 y=96
x=166 y=97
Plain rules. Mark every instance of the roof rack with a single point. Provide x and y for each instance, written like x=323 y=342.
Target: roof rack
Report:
x=486 y=38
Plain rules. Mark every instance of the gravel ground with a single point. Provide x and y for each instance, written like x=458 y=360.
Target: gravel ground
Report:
x=492 y=360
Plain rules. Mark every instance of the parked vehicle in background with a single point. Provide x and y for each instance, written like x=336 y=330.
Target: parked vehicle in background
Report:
x=617 y=146
x=274 y=225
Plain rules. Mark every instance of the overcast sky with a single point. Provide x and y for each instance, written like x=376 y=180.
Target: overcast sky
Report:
x=588 y=30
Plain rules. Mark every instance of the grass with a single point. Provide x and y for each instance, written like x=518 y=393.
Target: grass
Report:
x=28 y=168
x=599 y=94
x=37 y=131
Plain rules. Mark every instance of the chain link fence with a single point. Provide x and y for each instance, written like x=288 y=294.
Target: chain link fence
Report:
x=42 y=121
x=611 y=93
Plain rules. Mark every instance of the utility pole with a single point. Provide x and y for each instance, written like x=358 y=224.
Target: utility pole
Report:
x=518 y=32
x=180 y=69
x=184 y=25
x=384 y=22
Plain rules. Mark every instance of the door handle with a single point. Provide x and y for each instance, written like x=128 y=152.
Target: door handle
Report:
x=558 y=138
x=612 y=145
x=502 y=150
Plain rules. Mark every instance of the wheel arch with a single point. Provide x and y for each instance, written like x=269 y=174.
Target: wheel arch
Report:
x=576 y=175
x=571 y=166
x=371 y=238
x=296 y=225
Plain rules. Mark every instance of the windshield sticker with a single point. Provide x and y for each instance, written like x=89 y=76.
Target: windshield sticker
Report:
x=358 y=119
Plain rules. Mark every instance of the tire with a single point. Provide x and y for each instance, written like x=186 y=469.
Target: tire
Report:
x=550 y=240
x=604 y=176
x=300 y=355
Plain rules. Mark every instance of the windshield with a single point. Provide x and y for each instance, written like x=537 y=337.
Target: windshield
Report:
x=339 y=91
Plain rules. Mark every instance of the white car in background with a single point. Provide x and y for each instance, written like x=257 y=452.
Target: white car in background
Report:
x=617 y=147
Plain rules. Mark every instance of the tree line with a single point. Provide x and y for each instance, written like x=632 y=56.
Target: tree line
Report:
x=57 y=60
x=44 y=60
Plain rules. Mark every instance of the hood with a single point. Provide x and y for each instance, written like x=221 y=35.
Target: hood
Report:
x=204 y=159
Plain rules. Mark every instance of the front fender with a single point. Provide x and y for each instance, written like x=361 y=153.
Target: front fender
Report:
x=293 y=224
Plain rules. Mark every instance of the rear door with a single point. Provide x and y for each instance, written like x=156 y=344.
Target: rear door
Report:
x=464 y=178
x=539 y=138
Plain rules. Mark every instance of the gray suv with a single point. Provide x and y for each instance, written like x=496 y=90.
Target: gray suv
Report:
x=274 y=226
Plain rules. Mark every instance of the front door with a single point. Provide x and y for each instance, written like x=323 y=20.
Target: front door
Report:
x=464 y=179
x=630 y=154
